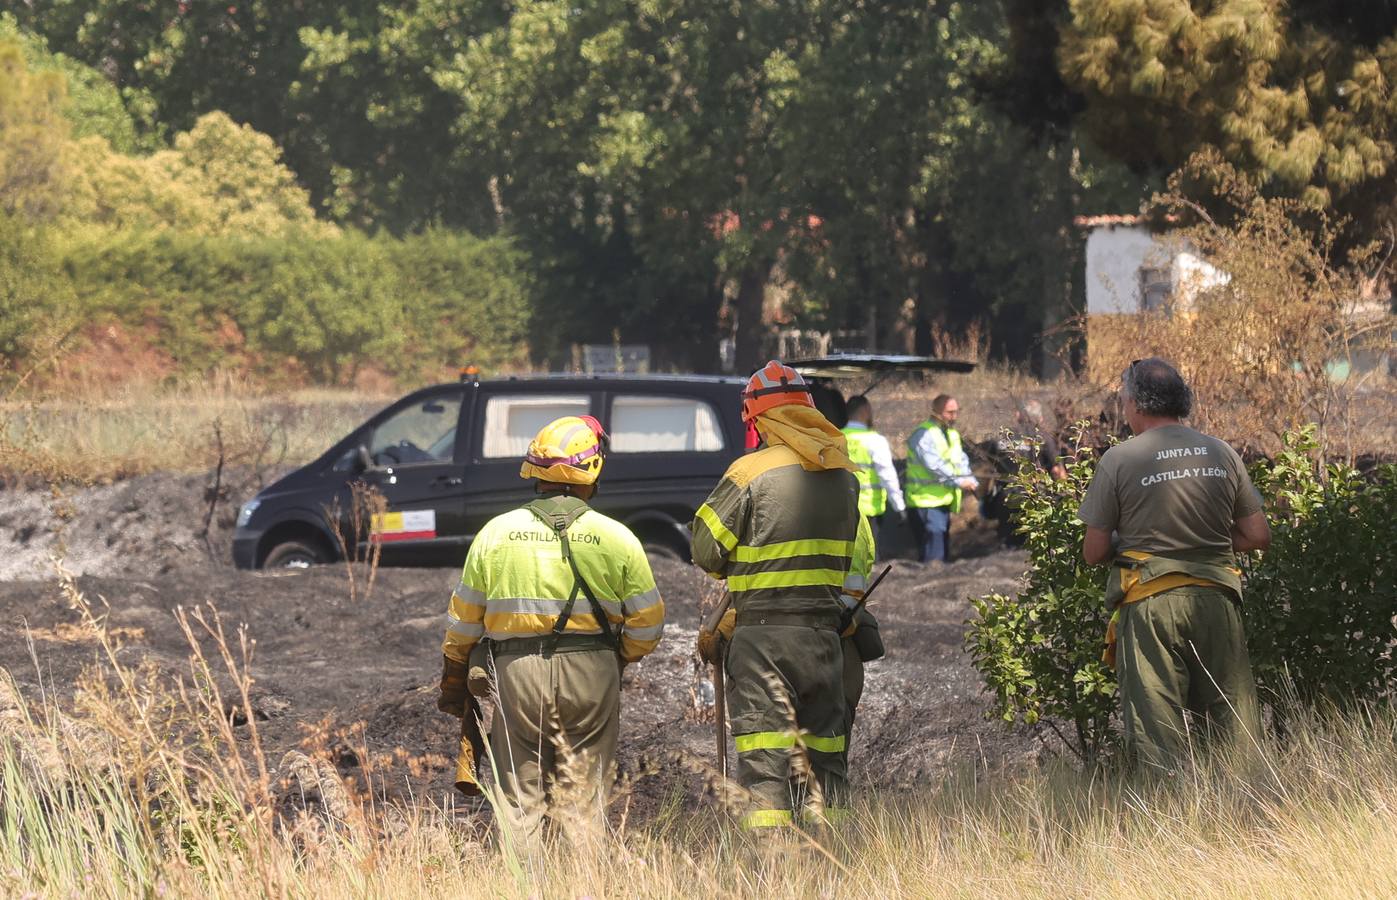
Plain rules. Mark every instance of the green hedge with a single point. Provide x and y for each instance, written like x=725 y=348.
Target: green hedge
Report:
x=333 y=305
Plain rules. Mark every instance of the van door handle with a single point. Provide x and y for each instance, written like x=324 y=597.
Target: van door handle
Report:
x=449 y=481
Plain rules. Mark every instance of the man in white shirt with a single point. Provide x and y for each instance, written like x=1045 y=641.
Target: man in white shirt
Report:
x=878 y=484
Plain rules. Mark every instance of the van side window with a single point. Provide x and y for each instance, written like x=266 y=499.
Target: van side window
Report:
x=512 y=421
x=649 y=424
x=423 y=432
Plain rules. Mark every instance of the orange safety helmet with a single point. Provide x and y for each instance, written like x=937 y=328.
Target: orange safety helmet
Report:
x=569 y=450
x=774 y=384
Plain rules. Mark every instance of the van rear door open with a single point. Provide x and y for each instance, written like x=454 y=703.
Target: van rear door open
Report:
x=824 y=373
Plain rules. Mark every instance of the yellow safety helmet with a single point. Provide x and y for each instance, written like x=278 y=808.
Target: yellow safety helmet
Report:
x=569 y=450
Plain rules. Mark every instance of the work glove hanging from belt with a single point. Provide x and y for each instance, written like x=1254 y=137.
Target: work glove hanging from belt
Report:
x=714 y=631
x=710 y=646
x=454 y=690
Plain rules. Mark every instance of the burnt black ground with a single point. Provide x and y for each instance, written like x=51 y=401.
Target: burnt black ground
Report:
x=347 y=672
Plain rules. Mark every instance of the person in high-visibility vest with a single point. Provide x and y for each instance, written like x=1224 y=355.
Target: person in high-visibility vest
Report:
x=564 y=599
x=878 y=484
x=781 y=527
x=938 y=471
x=1169 y=509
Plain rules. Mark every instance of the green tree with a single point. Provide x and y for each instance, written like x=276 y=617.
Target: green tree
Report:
x=1039 y=652
x=661 y=161
x=1296 y=94
x=92 y=104
x=220 y=178
x=334 y=84
x=658 y=154
x=33 y=134
x=36 y=302
x=1324 y=632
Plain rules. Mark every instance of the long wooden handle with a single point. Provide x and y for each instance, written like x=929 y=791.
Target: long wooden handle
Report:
x=720 y=716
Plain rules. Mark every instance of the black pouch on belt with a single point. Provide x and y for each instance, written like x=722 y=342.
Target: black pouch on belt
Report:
x=867 y=640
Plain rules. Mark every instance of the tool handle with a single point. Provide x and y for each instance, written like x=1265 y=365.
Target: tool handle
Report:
x=847 y=618
x=720 y=716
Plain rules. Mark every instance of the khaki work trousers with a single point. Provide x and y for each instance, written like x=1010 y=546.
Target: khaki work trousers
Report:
x=553 y=736
x=1183 y=670
x=789 y=721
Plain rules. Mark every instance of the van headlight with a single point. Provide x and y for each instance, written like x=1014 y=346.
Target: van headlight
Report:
x=245 y=514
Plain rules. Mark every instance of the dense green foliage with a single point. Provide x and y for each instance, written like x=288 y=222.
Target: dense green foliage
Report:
x=32 y=136
x=208 y=254
x=1040 y=652
x=662 y=162
x=36 y=304
x=1318 y=604
x=693 y=146
x=320 y=307
x=668 y=167
x=219 y=178
x=1298 y=94
x=92 y=104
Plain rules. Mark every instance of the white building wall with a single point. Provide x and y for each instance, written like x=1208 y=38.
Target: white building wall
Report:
x=1193 y=275
x=1115 y=255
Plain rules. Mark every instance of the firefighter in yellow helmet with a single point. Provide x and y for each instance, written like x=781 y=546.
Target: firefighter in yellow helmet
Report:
x=781 y=528
x=562 y=598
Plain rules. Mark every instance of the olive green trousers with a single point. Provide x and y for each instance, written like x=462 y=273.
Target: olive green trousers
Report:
x=853 y=693
x=1183 y=671
x=553 y=736
x=789 y=721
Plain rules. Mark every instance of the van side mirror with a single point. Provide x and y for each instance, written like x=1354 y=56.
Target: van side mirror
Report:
x=365 y=461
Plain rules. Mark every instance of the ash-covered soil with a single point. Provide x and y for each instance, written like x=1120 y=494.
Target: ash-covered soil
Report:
x=349 y=671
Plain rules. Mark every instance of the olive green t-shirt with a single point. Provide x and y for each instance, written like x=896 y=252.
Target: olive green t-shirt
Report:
x=1170 y=489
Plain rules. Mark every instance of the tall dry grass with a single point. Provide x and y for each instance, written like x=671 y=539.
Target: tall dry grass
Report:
x=133 y=429
x=103 y=434
x=147 y=786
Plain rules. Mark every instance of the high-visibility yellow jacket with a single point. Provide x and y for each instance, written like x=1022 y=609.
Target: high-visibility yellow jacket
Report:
x=860 y=564
x=873 y=497
x=782 y=535
x=515 y=584
x=935 y=459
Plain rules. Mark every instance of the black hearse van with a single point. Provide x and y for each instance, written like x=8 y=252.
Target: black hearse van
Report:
x=446 y=460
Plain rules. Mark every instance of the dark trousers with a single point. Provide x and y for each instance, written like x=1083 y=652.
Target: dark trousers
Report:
x=936 y=533
x=786 y=699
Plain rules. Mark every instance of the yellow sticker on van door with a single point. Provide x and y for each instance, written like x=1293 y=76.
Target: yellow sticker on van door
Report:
x=408 y=525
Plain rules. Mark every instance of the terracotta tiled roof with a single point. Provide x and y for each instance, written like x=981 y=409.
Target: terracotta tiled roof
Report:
x=1099 y=221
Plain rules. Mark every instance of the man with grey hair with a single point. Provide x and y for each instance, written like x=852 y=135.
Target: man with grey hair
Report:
x=1169 y=508
x=1034 y=433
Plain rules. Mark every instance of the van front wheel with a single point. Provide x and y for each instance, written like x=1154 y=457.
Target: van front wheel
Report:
x=294 y=555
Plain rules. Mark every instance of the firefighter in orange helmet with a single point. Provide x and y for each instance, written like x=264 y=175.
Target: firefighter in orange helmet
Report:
x=781 y=528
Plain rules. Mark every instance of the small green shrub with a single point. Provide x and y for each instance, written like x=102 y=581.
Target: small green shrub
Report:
x=1320 y=603
x=1039 y=652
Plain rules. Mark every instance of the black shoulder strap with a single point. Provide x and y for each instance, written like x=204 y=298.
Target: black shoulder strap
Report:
x=560 y=520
